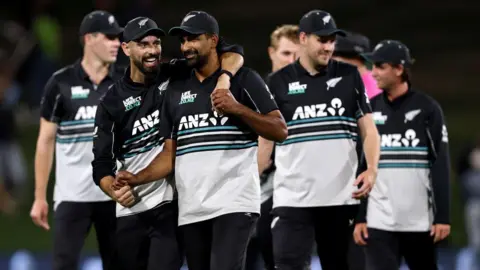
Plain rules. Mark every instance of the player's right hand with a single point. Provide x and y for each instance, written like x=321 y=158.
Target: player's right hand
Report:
x=127 y=177
x=39 y=214
x=360 y=234
x=124 y=196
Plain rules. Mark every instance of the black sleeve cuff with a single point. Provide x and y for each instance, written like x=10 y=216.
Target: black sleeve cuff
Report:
x=100 y=173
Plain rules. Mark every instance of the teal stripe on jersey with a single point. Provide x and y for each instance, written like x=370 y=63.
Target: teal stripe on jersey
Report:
x=216 y=147
x=322 y=119
x=77 y=122
x=419 y=149
x=142 y=150
x=75 y=140
x=141 y=135
x=319 y=138
x=403 y=165
x=193 y=130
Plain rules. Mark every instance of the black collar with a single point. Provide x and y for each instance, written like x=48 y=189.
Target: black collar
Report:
x=399 y=100
x=84 y=76
x=208 y=79
x=300 y=70
x=149 y=81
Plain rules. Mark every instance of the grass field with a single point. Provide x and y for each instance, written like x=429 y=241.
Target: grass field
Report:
x=18 y=232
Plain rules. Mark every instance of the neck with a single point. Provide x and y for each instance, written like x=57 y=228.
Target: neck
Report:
x=96 y=69
x=307 y=64
x=136 y=75
x=209 y=68
x=362 y=69
x=397 y=91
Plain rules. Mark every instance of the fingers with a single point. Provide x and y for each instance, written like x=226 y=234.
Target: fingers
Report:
x=360 y=234
x=363 y=191
x=40 y=218
x=125 y=196
x=440 y=233
x=432 y=230
x=359 y=179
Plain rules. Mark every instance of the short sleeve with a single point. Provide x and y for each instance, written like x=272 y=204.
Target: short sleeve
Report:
x=167 y=128
x=363 y=102
x=51 y=104
x=258 y=93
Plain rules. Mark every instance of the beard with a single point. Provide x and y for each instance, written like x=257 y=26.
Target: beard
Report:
x=147 y=70
x=194 y=59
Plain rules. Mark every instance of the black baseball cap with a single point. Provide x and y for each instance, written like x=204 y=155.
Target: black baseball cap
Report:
x=390 y=51
x=352 y=44
x=100 y=21
x=141 y=27
x=320 y=23
x=196 y=23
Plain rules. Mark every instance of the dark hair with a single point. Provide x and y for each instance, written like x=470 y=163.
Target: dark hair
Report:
x=406 y=75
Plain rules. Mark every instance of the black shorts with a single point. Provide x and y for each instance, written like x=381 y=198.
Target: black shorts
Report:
x=219 y=243
x=384 y=250
x=149 y=240
x=296 y=229
x=72 y=223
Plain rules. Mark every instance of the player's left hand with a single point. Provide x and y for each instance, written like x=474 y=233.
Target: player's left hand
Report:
x=440 y=232
x=127 y=177
x=367 y=178
x=223 y=82
x=224 y=102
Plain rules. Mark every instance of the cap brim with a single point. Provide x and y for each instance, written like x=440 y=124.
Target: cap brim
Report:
x=114 y=32
x=157 y=32
x=182 y=30
x=371 y=57
x=329 y=32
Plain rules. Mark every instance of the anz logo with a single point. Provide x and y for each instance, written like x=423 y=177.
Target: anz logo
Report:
x=146 y=123
x=398 y=140
x=335 y=108
x=202 y=120
x=86 y=112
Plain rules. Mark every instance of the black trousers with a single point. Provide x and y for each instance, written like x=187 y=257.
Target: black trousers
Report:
x=219 y=243
x=72 y=223
x=261 y=244
x=385 y=250
x=295 y=230
x=149 y=240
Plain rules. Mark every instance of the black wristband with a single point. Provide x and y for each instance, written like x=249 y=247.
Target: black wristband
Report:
x=229 y=74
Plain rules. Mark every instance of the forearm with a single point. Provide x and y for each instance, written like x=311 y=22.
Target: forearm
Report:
x=105 y=185
x=362 y=211
x=371 y=148
x=158 y=169
x=272 y=128
x=265 y=149
x=43 y=166
x=231 y=62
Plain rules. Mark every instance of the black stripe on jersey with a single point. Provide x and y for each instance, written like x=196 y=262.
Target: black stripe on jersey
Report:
x=141 y=143
x=138 y=150
x=74 y=131
x=403 y=157
x=334 y=127
x=214 y=137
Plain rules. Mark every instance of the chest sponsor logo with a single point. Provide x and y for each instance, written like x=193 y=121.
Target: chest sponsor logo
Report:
x=409 y=139
x=132 y=102
x=187 y=97
x=379 y=118
x=202 y=120
x=320 y=110
x=409 y=116
x=295 y=88
x=146 y=123
x=78 y=92
x=86 y=112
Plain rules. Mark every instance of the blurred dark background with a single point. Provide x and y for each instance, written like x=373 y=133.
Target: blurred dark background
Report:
x=42 y=36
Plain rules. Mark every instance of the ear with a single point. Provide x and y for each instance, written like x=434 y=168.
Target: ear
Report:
x=302 y=37
x=126 y=49
x=271 y=51
x=398 y=70
x=215 y=40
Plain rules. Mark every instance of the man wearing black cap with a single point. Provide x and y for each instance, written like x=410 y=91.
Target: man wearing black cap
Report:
x=315 y=184
x=210 y=141
x=408 y=209
x=349 y=49
x=67 y=118
x=127 y=130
